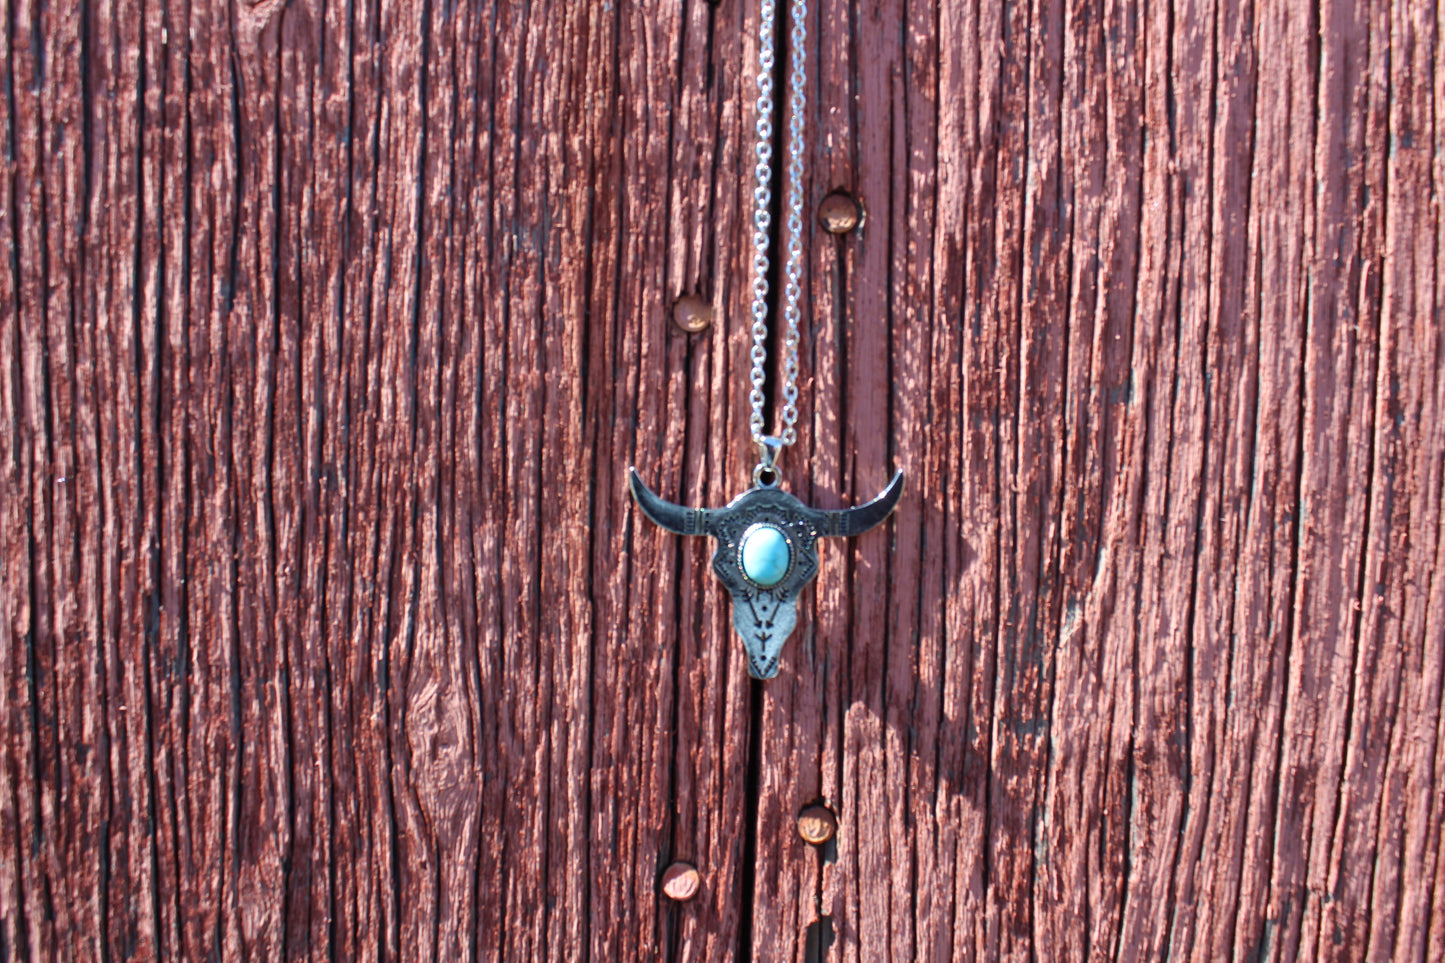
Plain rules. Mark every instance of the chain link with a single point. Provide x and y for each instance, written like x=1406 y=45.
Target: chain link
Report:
x=762 y=225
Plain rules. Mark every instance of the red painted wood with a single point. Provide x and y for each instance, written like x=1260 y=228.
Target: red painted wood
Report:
x=329 y=333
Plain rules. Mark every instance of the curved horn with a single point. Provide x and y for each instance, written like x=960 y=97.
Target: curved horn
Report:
x=857 y=520
x=674 y=518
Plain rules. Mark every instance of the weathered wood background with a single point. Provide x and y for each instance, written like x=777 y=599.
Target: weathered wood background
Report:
x=329 y=331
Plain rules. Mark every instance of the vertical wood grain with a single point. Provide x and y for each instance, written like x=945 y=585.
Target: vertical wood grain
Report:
x=327 y=335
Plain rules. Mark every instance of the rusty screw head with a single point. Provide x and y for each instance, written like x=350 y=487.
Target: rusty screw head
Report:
x=692 y=314
x=681 y=881
x=817 y=824
x=839 y=213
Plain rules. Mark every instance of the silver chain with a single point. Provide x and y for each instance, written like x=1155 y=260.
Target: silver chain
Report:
x=769 y=446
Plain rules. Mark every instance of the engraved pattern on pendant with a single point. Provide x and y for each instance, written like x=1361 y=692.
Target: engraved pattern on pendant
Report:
x=764 y=617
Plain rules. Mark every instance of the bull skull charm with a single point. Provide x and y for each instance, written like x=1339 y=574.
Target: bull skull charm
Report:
x=766 y=552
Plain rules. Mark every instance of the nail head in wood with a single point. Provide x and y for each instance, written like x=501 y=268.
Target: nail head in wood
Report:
x=817 y=824
x=681 y=881
x=692 y=314
x=839 y=213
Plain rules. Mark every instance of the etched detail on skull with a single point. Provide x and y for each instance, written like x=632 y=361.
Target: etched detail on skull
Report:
x=765 y=615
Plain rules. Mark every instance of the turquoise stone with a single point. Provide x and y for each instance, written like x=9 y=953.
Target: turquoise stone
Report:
x=765 y=555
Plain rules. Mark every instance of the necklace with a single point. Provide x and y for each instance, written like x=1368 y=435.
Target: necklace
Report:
x=766 y=538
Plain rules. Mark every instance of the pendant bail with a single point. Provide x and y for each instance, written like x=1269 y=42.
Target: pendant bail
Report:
x=765 y=472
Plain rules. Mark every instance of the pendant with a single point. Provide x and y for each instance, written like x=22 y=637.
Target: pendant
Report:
x=766 y=553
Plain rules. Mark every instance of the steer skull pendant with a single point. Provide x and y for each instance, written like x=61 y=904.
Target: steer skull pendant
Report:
x=766 y=552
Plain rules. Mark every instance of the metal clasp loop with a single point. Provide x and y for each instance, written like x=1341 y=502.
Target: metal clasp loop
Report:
x=765 y=472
